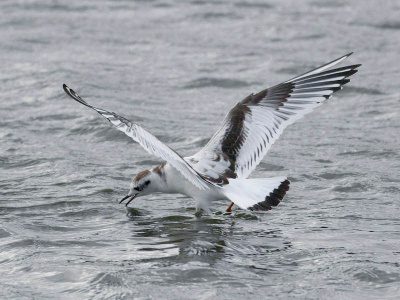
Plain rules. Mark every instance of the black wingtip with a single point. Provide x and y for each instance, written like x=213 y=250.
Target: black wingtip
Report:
x=273 y=199
x=65 y=88
x=70 y=92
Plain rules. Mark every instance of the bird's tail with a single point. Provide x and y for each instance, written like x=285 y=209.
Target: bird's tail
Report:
x=257 y=193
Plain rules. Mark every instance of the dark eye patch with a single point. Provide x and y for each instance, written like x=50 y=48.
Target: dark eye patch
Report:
x=142 y=186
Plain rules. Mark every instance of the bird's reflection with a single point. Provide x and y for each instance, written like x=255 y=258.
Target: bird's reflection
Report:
x=210 y=237
x=191 y=235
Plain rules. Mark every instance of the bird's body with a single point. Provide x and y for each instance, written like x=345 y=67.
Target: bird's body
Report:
x=221 y=169
x=166 y=179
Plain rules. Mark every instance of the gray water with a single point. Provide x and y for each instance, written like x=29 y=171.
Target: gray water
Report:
x=176 y=67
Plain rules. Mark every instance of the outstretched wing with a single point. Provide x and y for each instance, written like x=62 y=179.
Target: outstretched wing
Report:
x=254 y=124
x=148 y=141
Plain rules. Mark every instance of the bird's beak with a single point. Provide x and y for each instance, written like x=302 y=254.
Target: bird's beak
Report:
x=131 y=197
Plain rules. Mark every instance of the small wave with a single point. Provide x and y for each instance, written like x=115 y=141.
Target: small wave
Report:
x=312 y=37
x=36 y=41
x=108 y=279
x=351 y=89
x=82 y=213
x=376 y=275
x=391 y=25
x=215 y=82
x=352 y=188
x=45 y=227
x=47 y=206
x=23 y=243
x=201 y=248
x=4 y=233
x=371 y=154
x=21 y=162
x=324 y=161
x=243 y=215
x=176 y=218
x=337 y=175
x=215 y=15
x=354 y=153
x=328 y=4
x=246 y=4
x=203 y=2
x=56 y=117
x=289 y=71
x=52 y=7
x=69 y=182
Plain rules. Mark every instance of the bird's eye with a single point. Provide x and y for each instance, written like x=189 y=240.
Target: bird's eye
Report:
x=147 y=182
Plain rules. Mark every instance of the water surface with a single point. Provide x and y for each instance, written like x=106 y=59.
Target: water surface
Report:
x=176 y=67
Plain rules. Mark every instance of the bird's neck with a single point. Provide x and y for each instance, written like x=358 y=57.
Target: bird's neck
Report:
x=163 y=178
x=169 y=179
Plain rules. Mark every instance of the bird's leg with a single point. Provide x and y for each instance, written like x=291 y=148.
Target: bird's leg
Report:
x=229 y=209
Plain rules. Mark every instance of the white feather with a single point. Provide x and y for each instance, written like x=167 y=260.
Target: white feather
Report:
x=264 y=121
x=149 y=142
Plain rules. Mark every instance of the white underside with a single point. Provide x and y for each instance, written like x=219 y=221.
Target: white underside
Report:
x=248 y=192
x=243 y=192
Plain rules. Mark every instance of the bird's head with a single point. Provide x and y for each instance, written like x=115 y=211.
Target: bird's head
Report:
x=144 y=183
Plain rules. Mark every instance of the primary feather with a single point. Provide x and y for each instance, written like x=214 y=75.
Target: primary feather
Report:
x=255 y=123
x=148 y=141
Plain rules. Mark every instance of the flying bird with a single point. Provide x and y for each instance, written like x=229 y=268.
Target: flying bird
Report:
x=220 y=170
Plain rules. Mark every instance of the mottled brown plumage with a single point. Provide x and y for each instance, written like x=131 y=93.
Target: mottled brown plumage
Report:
x=159 y=170
x=141 y=175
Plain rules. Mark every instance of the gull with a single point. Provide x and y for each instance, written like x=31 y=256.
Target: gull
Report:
x=220 y=170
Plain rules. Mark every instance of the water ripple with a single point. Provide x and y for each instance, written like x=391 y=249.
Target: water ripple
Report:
x=215 y=82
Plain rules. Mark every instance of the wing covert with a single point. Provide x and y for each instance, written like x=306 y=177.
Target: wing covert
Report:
x=148 y=141
x=255 y=123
